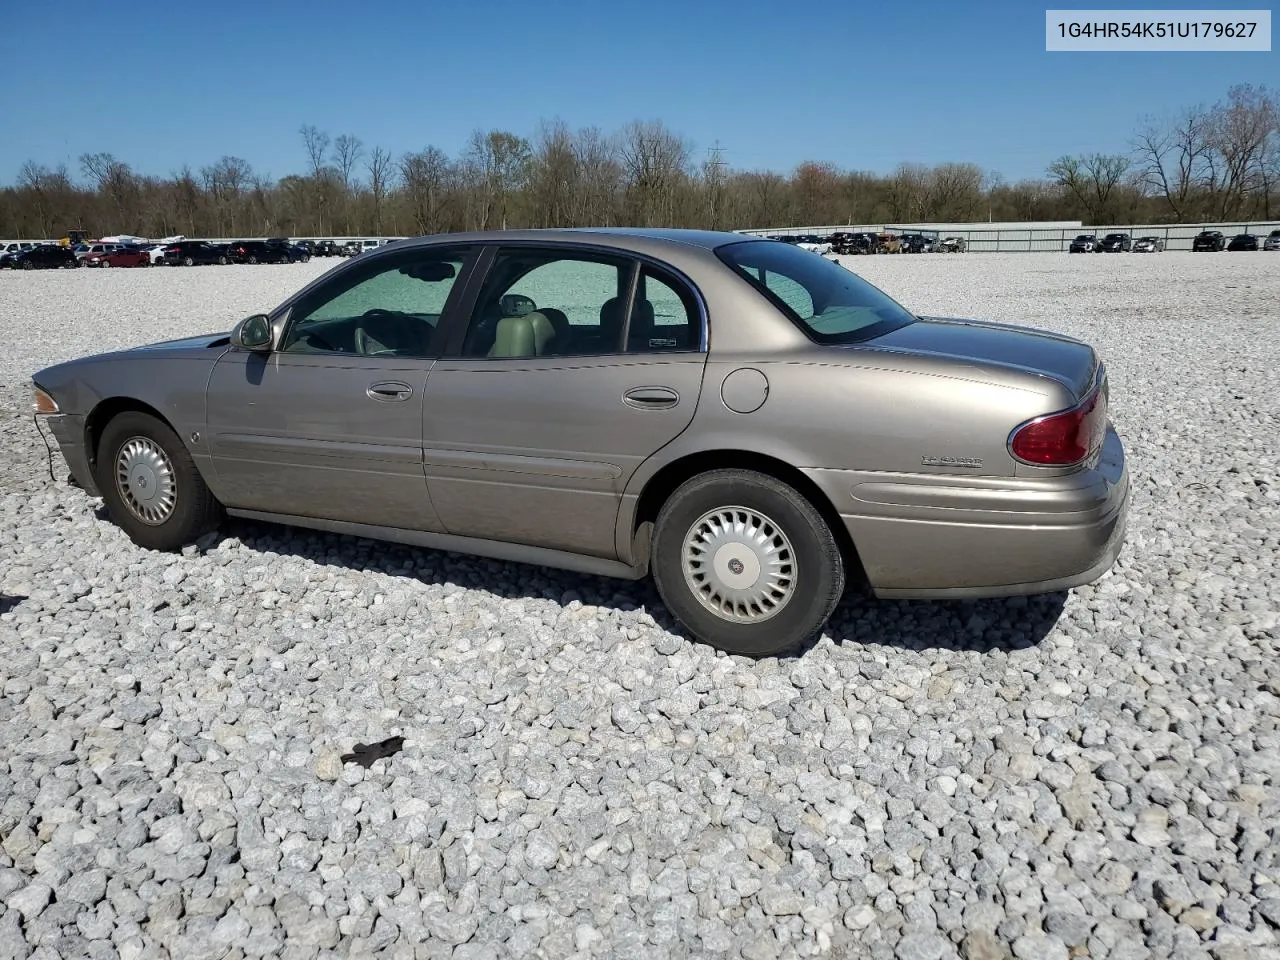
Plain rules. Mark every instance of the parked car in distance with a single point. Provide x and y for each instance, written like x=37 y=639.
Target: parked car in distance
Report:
x=853 y=243
x=1208 y=241
x=1116 y=243
x=918 y=243
x=258 y=251
x=44 y=257
x=125 y=256
x=326 y=248
x=296 y=252
x=1273 y=241
x=952 y=245
x=191 y=253
x=814 y=244
x=1243 y=241
x=1148 y=245
x=1084 y=243
x=91 y=254
x=573 y=434
x=352 y=248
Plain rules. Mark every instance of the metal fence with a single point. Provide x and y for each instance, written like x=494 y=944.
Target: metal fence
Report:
x=980 y=238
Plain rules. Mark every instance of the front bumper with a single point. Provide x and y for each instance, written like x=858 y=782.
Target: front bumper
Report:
x=69 y=430
x=957 y=537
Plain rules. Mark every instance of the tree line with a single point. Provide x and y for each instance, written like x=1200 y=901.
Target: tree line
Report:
x=1215 y=162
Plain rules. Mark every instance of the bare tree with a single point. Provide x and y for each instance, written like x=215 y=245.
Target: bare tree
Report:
x=117 y=182
x=599 y=178
x=1239 y=132
x=655 y=162
x=553 y=175
x=1092 y=180
x=380 y=171
x=347 y=151
x=316 y=145
x=497 y=165
x=954 y=191
x=428 y=177
x=1171 y=158
x=908 y=192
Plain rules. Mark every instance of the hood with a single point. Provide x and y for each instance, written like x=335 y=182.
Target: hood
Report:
x=1039 y=352
x=186 y=343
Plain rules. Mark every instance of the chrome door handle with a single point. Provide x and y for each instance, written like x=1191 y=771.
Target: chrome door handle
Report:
x=651 y=398
x=389 y=390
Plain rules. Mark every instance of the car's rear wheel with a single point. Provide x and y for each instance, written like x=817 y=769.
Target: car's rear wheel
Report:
x=150 y=484
x=253 y=259
x=746 y=563
x=188 y=261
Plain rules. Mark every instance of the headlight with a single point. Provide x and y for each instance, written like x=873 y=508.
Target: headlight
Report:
x=41 y=402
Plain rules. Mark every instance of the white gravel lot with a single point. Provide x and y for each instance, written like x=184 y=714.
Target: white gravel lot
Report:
x=1036 y=778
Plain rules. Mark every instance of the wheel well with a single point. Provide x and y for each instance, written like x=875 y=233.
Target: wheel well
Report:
x=103 y=414
x=664 y=483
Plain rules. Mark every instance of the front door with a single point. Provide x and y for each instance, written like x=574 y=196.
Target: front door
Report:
x=533 y=429
x=329 y=423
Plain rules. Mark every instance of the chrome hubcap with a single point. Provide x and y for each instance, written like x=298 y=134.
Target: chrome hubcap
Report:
x=145 y=480
x=739 y=564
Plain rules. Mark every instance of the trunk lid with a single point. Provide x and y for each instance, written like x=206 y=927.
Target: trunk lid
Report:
x=1070 y=362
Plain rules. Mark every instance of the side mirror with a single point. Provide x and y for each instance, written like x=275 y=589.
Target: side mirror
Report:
x=253 y=333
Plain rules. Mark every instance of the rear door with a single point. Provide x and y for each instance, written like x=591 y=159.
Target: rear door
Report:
x=329 y=424
x=575 y=366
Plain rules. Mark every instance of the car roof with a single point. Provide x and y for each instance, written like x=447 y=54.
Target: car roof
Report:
x=707 y=239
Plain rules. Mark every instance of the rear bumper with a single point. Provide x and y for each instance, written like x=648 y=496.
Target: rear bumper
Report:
x=957 y=537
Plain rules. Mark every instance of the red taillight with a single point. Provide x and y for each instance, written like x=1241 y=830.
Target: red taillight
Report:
x=1063 y=439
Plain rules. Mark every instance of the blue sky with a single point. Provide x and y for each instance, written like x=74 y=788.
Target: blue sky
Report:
x=862 y=85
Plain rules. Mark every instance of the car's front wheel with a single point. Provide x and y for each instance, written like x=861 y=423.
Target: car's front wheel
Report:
x=746 y=563
x=150 y=484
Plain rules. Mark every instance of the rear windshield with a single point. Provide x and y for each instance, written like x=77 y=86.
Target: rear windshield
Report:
x=827 y=301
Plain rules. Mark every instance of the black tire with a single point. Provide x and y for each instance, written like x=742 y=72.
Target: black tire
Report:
x=816 y=565
x=222 y=261
x=195 y=511
x=188 y=261
x=253 y=259
x=28 y=265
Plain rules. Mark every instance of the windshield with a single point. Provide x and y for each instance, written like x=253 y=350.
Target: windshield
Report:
x=830 y=303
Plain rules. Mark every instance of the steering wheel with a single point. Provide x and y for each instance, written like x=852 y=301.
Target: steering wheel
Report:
x=318 y=340
x=380 y=312
x=362 y=341
x=362 y=338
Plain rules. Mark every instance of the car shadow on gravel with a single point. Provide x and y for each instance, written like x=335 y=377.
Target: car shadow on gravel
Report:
x=979 y=626
x=8 y=602
x=1013 y=623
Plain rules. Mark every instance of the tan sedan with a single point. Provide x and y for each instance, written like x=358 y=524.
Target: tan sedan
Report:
x=750 y=423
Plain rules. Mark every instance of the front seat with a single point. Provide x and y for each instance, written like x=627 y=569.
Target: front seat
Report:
x=525 y=336
x=562 y=342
